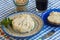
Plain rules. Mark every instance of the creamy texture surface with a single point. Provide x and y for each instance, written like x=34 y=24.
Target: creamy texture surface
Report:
x=54 y=17
x=24 y=23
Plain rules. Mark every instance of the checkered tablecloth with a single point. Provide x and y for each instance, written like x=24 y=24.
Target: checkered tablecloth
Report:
x=7 y=7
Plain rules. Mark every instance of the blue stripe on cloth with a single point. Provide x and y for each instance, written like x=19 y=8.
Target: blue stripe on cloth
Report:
x=58 y=28
x=6 y=7
x=53 y=4
x=58 y=37
x=43 y=32
x=54 y=36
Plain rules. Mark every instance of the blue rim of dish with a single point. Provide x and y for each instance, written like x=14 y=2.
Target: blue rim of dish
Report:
x=21 y=4
x=46 y=14
x=25 y=36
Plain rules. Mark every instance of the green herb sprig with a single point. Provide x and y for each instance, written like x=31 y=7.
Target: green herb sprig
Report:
x=6 y=22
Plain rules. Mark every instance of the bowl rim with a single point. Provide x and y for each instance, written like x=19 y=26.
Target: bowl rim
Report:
x=24 y=36
x=20 y=4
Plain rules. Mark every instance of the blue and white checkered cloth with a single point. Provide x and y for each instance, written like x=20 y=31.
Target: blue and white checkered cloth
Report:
x=7 y=7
